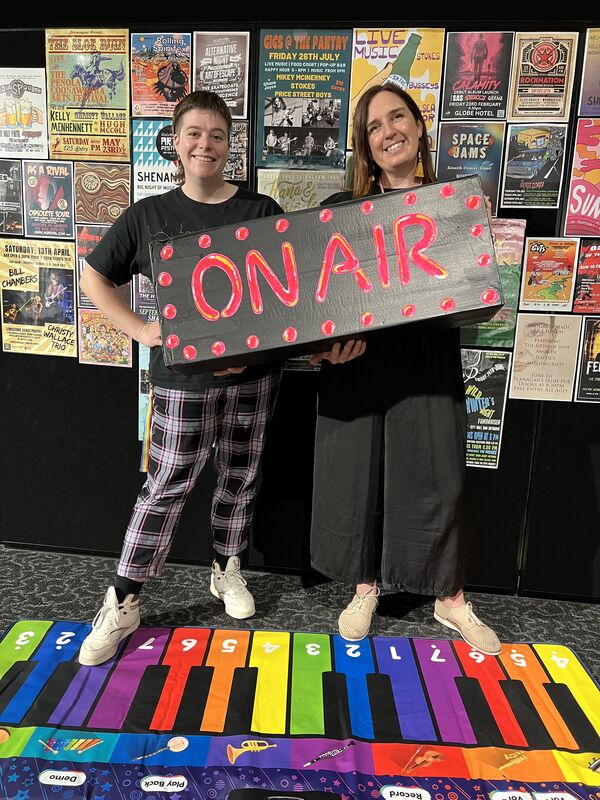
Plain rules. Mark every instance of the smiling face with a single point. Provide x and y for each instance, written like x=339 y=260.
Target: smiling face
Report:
x=202 y=144
x=393 y=135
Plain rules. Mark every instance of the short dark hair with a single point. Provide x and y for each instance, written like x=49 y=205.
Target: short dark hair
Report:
x=200 y=100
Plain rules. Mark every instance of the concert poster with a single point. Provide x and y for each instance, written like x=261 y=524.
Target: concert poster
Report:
x=542 y=76
x=472 y=148
x=144 y=299
x=545 y=357
x=411 y=58
x=583 y=208
x=37 y=286
x=154 y=157
x=548 y=276
x=499 y=331
x=48 y=199
x=534 y=166
x=303 y=98
x=588 y=368
x=11 y=197
x=477 y=75
x=88 y=94
x=101 y=191
x=587 y=283
x=160 y=72
x=100 y=342
x=221 y=64
x=236 y=168
x=298 y=189
x=23 y=120
x=589 y=100
x=485 y=375
x=143 y=390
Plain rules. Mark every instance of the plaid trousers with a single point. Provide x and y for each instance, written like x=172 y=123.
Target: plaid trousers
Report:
x=184 y=427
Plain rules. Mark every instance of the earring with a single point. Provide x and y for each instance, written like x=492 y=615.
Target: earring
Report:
x=419 y=173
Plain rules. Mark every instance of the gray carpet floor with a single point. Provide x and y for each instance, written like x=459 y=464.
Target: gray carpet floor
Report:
x=43 y=585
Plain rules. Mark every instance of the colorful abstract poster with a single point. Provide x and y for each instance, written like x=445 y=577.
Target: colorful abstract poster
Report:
x=545 y=357
x=143 y=389
x=48 y=199
x=23 y=121
x=221 y=64
x=303 y=99
x=144 y=299
x=548 y=276
x=11 y=198
x=37 y=280
x=542 y=76
x=472 y=148
x=160 y=72
x=101 y=191
x=88 y=94
x=587 y=284
x=411 y=58
x=100 y=342
x=236 y=168
x=298 y=189
x=499 y=331
x=589 y=100
x=588 y=368
x=534 y=166
x=154 y=156
x=477 y=74
x=485 y=374
x=583 y=209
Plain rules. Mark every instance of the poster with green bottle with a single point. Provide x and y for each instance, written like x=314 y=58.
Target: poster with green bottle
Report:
x=410 y=58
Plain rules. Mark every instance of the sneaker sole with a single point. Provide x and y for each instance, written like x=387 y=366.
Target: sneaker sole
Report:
x=228 y=610
x=452 y=627
x=94 y=660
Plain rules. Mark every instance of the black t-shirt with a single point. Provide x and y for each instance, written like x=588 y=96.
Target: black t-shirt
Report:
x=125 y=251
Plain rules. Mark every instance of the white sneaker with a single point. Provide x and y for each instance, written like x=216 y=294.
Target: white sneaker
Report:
x=111 y=624
x=230 y=587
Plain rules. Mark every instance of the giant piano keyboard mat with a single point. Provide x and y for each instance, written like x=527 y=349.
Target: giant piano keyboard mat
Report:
x=184 y=713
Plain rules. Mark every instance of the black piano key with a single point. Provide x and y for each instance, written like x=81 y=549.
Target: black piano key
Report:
x=580 y=726
x=526 y=715
x=479 y=713
x=12 y=681
x=386 y=725
x=241 y=701
x=336 y=711
x=51 y=694
x=193 y=700
x=141 y=711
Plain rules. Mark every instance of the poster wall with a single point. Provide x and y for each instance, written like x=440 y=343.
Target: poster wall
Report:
x=48 y=199
x=23 y=120
x=534 y=166
x=221 y=63
x=588 y=368
x=583 y=210
x=154 y=153
x=11 y=197
x=101 y=191
x=160 y=72
x=589 y=99
x=548 y=280
x=485 y=374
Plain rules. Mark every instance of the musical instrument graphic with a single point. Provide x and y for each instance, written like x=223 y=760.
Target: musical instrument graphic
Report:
x=50 y=300
x=249 y=746
x=176 y=745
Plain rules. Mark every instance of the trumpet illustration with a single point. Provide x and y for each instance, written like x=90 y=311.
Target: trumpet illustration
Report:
x=249 y=746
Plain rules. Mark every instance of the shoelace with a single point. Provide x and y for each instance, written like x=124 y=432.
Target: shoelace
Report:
x=357 y=605
x=232 y=580
x=106 y=615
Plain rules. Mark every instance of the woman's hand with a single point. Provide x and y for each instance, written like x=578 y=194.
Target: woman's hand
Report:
x=229 y=371
x=341 y=352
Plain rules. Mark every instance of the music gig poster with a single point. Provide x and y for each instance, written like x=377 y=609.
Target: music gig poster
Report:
x=37 y=284
x=236 y=168
x=545 y=357
x=588 y=368
x=88 y=94
x=548 y=277
x=154 y=157
x=533 y=166
x=472 y=148
x=100 y=342
x=143 y=389
x=144 y=299
x=298 y=189
x=48 y=199
x=583 y=209
x=23 y=120
x=542 y=76
x=160 y=72
x=410 y=58
x=477 y=73
x=587 y=284
x=589 y=100
x=303 y=98
x=101 y=191
x=221 y=64
x=485 y=375
x=499 y=331
x=11 y=198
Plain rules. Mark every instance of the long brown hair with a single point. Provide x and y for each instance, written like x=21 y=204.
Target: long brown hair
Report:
x=202 y=101
x=365 y=170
